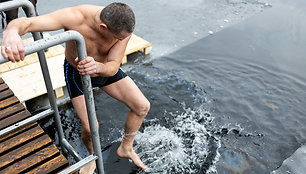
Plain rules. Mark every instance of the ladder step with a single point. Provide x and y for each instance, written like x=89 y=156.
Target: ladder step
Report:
x=26 y=121
x=79 y=164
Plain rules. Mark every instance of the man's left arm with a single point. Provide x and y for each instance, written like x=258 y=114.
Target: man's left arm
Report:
x=108 y=68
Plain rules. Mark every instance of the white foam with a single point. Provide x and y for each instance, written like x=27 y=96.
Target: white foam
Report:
x=183 y=148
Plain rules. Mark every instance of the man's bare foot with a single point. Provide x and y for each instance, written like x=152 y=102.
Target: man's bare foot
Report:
x=88 y=169
x=130 y=153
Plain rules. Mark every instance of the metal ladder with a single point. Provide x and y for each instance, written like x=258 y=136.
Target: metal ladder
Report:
x=38 y=46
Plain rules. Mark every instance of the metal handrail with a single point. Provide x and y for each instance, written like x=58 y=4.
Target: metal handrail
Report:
x=38 y=46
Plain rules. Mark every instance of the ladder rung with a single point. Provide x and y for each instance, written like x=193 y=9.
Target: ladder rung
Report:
x=26 y=121
x=79 y=164
x=71 y=150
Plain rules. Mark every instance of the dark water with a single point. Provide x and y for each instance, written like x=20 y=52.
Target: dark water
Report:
x=254 y=76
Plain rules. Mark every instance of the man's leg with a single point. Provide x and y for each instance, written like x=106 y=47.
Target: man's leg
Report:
x=80 y=108
x=126 y=91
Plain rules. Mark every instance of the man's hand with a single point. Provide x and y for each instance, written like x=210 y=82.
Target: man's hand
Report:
x=88 y=66
x=12 y=46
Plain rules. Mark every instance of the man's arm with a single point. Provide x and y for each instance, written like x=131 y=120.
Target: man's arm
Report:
x=109 y=68
x=12 y=46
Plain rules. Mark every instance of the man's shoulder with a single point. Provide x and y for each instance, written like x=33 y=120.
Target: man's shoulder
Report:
x=88 y=7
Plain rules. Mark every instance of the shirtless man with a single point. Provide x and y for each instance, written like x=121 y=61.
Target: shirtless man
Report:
x=106 y=31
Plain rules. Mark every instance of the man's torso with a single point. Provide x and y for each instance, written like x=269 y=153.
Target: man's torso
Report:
x=97 y=45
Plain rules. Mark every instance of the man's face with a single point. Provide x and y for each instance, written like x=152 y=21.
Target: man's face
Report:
x=122 y=35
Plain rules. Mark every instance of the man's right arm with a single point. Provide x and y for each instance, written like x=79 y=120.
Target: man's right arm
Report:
x=12 y=45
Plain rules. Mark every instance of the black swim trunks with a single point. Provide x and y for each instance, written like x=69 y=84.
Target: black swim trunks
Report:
x=74 y=84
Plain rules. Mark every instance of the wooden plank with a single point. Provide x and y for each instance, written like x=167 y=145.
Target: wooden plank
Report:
x=3 y=87
x=14 y=119
x=124 y=60
x=146 y=50
x=21 y=138
x=136 y=43
x=32 y=160
x=11 y=110
x=5 y=94
x=51 y=166
x=59 y=92
x=17 y=131
x=4 y=68
x=14 y=65
x=28 y=82
x=1 y=80
x=24 y=150
x=8 y=102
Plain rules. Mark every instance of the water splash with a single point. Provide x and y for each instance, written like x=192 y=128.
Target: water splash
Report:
x=185 y=148
x=178 y=138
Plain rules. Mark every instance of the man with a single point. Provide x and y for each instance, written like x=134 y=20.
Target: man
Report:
x=106 y=31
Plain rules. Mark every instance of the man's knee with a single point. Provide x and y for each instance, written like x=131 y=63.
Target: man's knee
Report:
x=142 y=109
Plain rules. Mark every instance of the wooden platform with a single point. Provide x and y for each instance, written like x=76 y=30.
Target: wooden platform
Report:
x=27 y=82
x=25 y=78
x=135 y=44
x=28 y=149
x=32 y=58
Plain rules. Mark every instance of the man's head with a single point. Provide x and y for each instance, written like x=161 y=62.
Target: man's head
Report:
x=118 y=17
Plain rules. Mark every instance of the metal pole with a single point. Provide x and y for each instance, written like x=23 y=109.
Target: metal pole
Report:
x=9 y=5
x=86 y=81
x=79 y=164
x=30 y=12
x=70 y=149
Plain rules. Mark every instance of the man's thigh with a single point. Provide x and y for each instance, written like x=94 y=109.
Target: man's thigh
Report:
x=126 y=91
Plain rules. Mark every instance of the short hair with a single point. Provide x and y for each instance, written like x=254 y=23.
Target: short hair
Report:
x=118 y=17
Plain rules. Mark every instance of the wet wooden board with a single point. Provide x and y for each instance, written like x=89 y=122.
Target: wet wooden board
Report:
x=11 y=110
x=18 y=131
x=32 y=160
x=28 y=149
x=3 y=87
x=14 y=119
x=52 y=165
x=21 y=138
x=24 y=150
x=7 y=102
x=6 y=94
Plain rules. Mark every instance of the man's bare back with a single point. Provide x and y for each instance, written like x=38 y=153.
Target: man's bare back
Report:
x=97 y=45
x=106 y=37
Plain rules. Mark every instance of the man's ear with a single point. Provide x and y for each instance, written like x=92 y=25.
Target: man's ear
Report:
x=103 y=26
